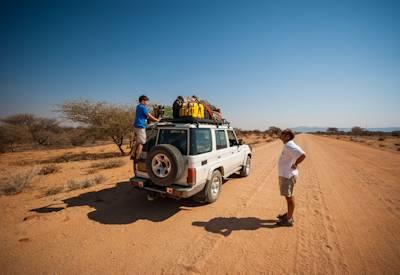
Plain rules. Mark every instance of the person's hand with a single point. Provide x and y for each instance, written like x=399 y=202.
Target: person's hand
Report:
x=294 y=166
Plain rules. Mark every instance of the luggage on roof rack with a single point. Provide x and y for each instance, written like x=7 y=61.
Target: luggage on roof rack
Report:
x=193 y=107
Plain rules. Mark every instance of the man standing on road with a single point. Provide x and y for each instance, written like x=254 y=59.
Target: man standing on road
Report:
x=139 y=128
x=291 y=156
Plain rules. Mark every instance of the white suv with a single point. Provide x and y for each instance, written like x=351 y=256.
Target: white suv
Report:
x=184 y=157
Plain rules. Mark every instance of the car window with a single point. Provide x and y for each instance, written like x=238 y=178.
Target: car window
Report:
x=200 y=141
x=151 y=135
x=220 y=139
x=232 y=138
x=175 y=137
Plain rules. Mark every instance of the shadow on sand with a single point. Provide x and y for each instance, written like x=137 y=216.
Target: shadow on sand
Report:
x=122 y=204
x=225 y=226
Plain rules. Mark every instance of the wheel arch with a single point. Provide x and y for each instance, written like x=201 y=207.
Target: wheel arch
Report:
x=220 y=168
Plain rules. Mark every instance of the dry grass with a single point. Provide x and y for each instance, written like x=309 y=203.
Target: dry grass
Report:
x=68 y=157
x=85 y=183
x=16 y=183
x=75 y=185
x=108 y=164
x=54 y=190
x=49 y=169
x=388 y=143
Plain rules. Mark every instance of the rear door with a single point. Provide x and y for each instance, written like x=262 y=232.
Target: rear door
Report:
x=179 y=138
x=202 y=155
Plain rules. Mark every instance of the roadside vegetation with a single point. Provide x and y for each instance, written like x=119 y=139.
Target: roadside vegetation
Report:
x=383 y=140
x=75 y=185
x=107 y=164
x=85 y=183
x=17 y=182
x=253 y=137
x=49 y=169
x=96 y=122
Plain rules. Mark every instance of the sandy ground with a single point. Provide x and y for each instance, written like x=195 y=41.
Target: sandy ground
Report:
x=347 y=221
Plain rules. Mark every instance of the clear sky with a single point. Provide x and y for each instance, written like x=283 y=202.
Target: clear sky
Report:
x=283 y=63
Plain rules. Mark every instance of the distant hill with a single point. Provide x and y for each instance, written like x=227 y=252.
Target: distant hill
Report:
x=305 y=129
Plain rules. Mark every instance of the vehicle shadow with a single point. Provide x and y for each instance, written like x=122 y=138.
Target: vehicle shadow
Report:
x=122 y=204
x=225 y=226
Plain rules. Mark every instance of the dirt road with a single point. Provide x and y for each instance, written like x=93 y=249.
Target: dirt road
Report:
x=347 y=220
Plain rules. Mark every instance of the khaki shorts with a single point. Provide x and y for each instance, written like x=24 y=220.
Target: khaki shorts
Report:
x=286 y=186
x=140 y=135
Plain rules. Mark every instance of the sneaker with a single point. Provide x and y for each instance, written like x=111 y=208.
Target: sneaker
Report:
x=282 y=216
x=285 y=222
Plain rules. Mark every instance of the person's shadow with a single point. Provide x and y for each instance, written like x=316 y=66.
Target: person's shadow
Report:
x=122 y=204
x=225 y=226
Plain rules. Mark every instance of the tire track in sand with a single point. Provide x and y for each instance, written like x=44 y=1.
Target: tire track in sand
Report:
x=203 y=246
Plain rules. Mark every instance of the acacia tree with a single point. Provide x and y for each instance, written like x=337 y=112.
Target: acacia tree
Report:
x=11 y=135
x=39 y=128
x=110 y=120
x=273 y=130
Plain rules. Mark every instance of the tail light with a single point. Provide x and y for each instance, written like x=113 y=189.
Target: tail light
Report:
x=191 y=178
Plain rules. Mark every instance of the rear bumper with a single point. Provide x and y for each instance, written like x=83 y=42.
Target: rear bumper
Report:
x=176 y=191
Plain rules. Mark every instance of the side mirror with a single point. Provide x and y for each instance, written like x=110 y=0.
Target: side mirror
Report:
x=240 y=141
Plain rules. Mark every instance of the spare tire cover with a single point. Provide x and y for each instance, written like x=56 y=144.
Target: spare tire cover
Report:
x=164 y=164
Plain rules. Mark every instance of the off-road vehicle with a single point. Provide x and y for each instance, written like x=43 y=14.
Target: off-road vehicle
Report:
x=186 y=157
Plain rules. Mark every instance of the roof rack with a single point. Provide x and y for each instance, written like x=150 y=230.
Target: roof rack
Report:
x=196 y=121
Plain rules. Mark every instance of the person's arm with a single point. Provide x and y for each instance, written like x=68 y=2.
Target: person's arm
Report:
x=151 y=117
x=298 y=161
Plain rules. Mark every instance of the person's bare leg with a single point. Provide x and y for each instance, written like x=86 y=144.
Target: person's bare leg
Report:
x=134 y=154
x=290 y=206
x=133 y=151
x=138 y=151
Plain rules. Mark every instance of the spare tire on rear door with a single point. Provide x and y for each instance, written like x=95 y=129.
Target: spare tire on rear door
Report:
x=165 y=164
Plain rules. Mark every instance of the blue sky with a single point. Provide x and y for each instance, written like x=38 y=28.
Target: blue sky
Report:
x=284 y=63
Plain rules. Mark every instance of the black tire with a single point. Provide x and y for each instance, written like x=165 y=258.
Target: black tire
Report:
x=171 y=155
x=246 y=172
x=210 y=195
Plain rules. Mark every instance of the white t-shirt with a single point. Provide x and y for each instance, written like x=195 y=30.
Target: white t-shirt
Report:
x=290 y=153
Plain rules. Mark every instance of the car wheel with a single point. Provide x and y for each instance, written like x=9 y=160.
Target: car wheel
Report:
x=213 y=187
x=246 y=168
x=164 y=164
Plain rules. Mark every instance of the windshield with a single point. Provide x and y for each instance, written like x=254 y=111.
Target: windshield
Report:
x=175 y=137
